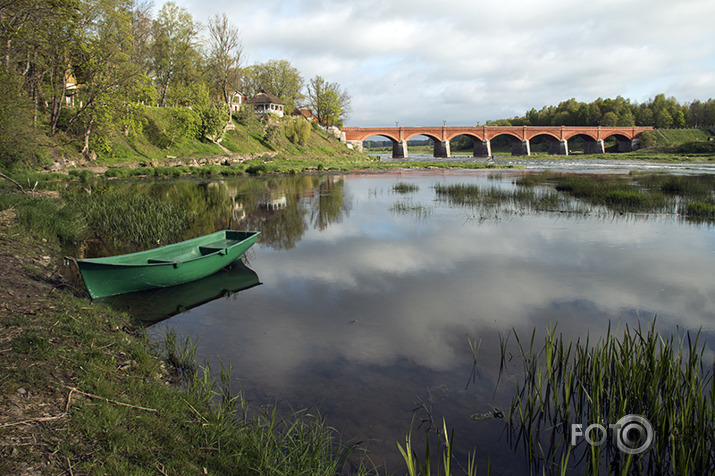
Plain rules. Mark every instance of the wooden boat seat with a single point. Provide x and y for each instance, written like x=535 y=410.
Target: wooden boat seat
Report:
x=216 y=246
x=160 y=260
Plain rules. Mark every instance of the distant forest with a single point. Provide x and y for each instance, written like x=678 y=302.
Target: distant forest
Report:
x=660 y=112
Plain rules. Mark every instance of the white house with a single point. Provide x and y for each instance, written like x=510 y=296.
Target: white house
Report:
x=236 y=100
x=265 y=103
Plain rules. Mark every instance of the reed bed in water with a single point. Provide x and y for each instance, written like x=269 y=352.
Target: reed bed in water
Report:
x=120 y=218
x=691 y=197
x=667 y=380
x=505 y=199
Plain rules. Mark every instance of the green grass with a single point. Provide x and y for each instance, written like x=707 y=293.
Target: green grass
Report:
x=153 y=145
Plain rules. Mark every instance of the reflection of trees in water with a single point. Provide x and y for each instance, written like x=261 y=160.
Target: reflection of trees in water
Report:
x=328 y=204
x=284 y=208
x=281 y=208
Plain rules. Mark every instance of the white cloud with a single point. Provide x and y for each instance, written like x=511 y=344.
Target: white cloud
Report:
x=421 y=62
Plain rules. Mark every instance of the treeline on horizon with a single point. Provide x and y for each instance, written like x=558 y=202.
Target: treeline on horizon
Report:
x=76 y=72
x=659 y=112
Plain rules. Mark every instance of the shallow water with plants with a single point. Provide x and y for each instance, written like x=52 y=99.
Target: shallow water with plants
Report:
x=443 y=300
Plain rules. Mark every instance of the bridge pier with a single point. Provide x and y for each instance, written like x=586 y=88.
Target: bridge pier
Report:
x=558 y=147
x=442 y=149
x=520 y=147
x=482 y=148
x=595 y=147
x=399 y=149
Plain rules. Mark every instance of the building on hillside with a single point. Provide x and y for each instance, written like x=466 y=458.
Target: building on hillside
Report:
x=71 y=89
x=266 y=103
x=307 y=113
x=236 y=100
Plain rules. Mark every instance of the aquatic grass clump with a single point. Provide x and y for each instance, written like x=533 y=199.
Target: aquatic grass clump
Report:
x=118 y=218
x=506 y=199
x=667 y=380
x=406 y=207
x=404 y=187
x=699 y=211
x=418 y=467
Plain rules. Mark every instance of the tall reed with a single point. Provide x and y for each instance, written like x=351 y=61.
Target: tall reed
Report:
x=121 y=218
x=665 y=379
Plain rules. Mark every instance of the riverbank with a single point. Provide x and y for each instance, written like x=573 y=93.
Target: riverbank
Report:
x=82 y=390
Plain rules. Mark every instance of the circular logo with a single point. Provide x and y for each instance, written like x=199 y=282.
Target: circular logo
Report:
x=634 y=434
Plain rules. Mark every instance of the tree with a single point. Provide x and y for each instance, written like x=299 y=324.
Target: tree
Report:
x=53 y=41
x=625 y=118
x=111 y=83
x=610 y=119
x=277 y=77
x=663 y=119
x=17 y=138
x=225 y=56
x=297 y=130
x=329 y=102
x=174 y=48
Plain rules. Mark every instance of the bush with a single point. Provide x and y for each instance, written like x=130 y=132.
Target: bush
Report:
x=256 y=169
x=696 y=148
x=243 y=116
x=648 y=139
x=213 y=118
x=297 y=130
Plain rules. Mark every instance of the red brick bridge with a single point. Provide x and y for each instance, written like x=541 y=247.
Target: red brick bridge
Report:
x=557 y=136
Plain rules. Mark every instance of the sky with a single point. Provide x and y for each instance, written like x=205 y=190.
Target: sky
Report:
x=463 y=62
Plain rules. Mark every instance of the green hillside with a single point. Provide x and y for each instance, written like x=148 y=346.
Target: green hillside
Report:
x=249 y=138
x=678 y=141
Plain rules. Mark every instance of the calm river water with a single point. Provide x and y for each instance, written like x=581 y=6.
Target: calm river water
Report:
x=368 y=295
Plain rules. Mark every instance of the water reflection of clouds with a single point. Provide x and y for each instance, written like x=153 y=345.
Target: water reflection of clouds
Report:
x=365 y=314
x=409 y=296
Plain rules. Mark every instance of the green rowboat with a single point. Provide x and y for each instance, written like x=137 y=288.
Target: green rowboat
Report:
x=164 y=266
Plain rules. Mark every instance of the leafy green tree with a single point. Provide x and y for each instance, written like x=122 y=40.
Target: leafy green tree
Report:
x=213 y=119
x=610 y=119
x=663 y=119
x=644 y=115
x=184 y=123
x=625 y=118
x=174 y=49
x=277 y=77
x=17 y=137
x=56 y=40
x=329 y=102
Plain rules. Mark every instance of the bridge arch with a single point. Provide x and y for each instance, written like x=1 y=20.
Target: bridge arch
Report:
x=624 y=142
x=397 y=150
x=549 y=142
